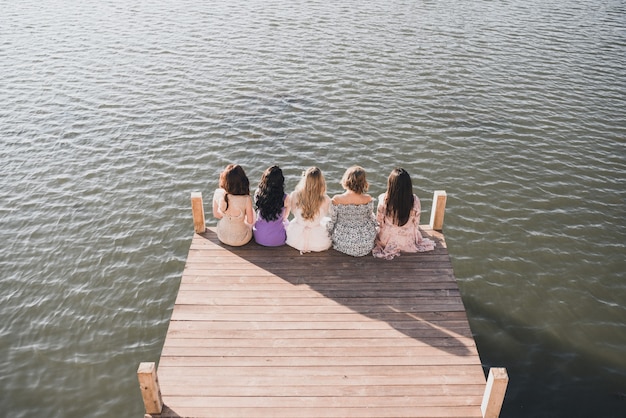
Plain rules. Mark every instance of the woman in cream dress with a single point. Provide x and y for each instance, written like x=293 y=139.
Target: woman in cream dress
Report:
x=309 y=204
x=232 y=205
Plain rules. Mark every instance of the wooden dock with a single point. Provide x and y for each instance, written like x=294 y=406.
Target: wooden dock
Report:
x=267 y=332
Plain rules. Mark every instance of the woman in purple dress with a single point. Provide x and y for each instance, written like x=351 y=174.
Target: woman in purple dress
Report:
x=272 y=205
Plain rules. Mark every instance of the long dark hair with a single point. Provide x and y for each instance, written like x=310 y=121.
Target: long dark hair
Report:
x=399 y=199
x=271 y=193
x=234 y=181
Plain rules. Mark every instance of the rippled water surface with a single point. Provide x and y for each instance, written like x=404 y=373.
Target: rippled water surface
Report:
x=114 y=111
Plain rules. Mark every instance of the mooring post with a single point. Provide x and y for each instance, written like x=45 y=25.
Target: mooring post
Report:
x=150 y=390
x=439 y=208
x=197 y=208
x=494 y=392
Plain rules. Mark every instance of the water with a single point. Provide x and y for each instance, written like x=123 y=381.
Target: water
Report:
x=114 y=112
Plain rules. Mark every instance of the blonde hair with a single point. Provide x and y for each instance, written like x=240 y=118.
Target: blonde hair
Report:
x=310 y=192
x=354 y=179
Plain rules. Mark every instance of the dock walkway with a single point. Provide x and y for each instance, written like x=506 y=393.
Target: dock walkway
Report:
x=268 y=332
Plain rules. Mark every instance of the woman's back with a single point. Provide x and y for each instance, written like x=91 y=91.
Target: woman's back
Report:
x=272 y=233
x=392 y=239
x=232 y=228
x=353 y=228
x=309 y=234
x=298 y=212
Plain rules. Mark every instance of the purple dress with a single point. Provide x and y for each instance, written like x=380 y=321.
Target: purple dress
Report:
x=270 y=233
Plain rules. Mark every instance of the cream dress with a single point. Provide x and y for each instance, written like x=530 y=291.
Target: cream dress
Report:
x=232 y=229
x=309 y=234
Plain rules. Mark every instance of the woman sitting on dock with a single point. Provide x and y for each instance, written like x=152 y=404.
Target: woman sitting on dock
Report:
x=353 y=226
x=232 y=205
x=309 y=204
x=398 y=216
x=272 y=204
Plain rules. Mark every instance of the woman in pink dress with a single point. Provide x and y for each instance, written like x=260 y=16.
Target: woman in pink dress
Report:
x=398 y=217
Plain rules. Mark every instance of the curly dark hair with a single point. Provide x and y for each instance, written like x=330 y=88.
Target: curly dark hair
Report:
x=271 y=193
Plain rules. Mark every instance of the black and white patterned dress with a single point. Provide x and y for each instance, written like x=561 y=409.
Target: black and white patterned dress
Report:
x=353 y=228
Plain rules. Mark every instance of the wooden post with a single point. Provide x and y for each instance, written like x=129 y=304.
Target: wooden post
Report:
x=150 y=390
x=197 y=208
x=494 y=392
x=439 y=207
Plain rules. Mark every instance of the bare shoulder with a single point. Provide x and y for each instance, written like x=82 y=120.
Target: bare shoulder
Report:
x=219 y=194
x=381 y=199
x=338 y=199
x=351 y=199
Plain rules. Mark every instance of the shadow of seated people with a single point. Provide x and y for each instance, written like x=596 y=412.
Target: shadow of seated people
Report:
x=414 y=294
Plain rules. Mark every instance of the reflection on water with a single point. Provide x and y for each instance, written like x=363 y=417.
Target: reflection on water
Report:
x=113 y=113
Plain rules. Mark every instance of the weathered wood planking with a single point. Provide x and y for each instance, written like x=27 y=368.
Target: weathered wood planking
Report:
x=267 y=332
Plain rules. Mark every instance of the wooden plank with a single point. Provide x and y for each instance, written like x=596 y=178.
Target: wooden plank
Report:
x=185 y=370
x=324 y=412
x=319 y=313
x=367 y=357
x=333 y=338
x=438 y=210
x=267 y=332
x=196 y=387
x=328 y=401
x=438 y=287
x=433 y=344
x=357 y=350
x=493 y=398
x=197 y=210
x=149 y=386
x=327 y=310
x=210 y=275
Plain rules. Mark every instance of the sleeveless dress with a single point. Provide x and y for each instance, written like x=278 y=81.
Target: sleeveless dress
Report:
x=309 y=235
x=393 y=239
x=232 y=229
x=353 y=228
x=271 y=233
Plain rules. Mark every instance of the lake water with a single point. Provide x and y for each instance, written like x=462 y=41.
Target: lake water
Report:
x=113 y=112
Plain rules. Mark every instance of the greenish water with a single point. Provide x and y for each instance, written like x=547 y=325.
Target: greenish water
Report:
x=114 y=112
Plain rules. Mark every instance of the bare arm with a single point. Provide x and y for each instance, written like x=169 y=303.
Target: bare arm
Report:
x=287 y=205
x=217 y=197
x=418 y=209
x=249 y=211
x=380 y=210
x=325 y=206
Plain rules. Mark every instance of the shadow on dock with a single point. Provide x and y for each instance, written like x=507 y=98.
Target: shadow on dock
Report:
x=415 y=294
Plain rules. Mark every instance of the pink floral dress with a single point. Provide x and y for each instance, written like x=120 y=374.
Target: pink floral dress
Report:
x=392 y=240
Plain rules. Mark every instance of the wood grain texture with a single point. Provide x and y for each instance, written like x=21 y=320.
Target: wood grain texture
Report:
x=267 y=332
